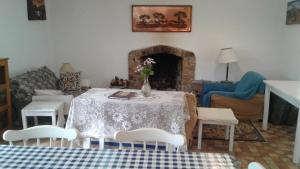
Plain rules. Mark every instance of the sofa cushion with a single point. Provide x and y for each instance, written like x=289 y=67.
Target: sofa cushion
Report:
x=24 y=84
x=70 y=81
x=44 y=78
x=47 y=92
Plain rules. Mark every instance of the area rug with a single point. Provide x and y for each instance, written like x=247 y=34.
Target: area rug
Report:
x=244 y=131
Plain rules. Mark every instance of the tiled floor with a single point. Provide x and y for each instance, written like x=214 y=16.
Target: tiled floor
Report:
x=276 y=153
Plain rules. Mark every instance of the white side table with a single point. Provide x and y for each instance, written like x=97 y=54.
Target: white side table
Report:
x=41 y=108
x=217 y=116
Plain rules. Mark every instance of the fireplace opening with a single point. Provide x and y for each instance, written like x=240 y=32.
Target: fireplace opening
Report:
x=175 y=68
x=167 y=71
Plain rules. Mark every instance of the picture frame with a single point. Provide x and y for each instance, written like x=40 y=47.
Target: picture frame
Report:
x=161 y=18
x=293 y=12
x=36 y=10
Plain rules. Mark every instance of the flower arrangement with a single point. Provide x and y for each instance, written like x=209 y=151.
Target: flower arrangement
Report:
x=146 y=68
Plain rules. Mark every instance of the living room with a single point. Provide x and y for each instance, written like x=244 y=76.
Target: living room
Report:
x=97 y=36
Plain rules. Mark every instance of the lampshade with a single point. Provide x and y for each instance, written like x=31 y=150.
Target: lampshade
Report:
x=66 y=67
x=227 y=55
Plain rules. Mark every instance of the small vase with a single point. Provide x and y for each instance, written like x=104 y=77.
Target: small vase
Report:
x=146 y=88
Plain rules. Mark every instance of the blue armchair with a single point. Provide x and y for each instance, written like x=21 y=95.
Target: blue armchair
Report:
x=244 y=97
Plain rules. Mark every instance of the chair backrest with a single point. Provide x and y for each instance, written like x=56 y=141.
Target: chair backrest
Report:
x=250 y=81
x=255 y=165
x=40 y=132
x=150 y=135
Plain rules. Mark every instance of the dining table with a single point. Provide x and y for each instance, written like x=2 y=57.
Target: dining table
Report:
x=32 y=157
x=289 y=91
x=94 y=115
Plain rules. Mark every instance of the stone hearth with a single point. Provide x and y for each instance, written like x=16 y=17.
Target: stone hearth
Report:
x=186 y=69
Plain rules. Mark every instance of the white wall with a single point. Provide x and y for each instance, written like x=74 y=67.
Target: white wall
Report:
x=290 y=57
x=25 y=42
x=95 y=36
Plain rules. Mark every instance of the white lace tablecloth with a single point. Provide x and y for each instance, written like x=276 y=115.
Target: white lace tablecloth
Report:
x=93 y=114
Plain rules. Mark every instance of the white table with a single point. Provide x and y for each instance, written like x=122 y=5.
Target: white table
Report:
x=217 y=116
x=40 y=108
x=289 y=91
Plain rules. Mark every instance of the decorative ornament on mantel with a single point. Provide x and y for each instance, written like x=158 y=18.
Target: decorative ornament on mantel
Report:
x=146 y=70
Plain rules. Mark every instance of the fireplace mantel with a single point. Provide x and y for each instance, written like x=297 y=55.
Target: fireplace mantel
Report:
x=136 y=57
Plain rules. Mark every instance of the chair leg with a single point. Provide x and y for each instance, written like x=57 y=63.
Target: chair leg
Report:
x=53 y=119
x=35 y=120
x=101 y=143
x=227 y=132
x=24 y=120
x=231 y=139
x=170 y=148
x=200 y=134
x=86 y=143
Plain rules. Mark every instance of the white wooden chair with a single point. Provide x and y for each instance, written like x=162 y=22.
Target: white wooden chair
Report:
x=255 y=165
x=40 y=132
x=150 y=135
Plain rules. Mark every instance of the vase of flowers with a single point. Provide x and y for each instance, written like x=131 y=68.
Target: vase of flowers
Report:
x=146 y=70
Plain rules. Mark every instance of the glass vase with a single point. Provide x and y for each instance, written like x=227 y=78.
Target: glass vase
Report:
x=146 y=88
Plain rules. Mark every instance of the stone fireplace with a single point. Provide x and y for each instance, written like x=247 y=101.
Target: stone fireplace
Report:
x=174 y=70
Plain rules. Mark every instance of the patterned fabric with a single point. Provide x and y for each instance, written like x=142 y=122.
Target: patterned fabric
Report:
x=23 y=86
x=93 y=114
x=70 y=81
x=42 y=78
x=15 y=157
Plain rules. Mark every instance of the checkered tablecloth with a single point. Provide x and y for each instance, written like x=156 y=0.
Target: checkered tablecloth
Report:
x=18 y=157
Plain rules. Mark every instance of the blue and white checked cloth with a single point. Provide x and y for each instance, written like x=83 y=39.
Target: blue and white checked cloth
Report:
x=18 y=157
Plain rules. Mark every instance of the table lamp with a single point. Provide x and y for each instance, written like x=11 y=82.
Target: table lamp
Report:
x=227 y=55
x=69 y=78
x=66 y=67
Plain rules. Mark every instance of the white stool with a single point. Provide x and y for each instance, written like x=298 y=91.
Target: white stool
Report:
x=36 y=109
x=217 y=116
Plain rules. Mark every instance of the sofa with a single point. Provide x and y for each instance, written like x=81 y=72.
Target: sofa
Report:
x=245 y=97
x=31 y=83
